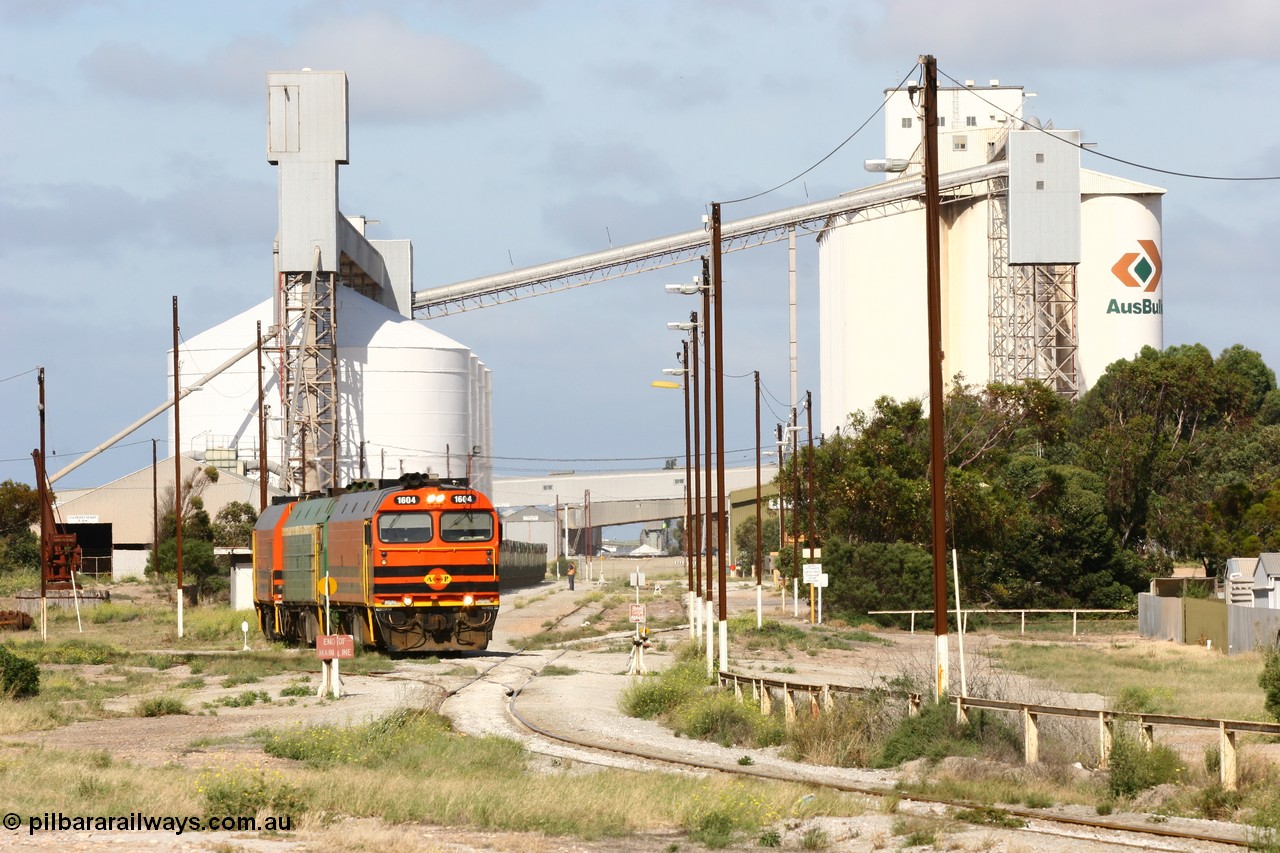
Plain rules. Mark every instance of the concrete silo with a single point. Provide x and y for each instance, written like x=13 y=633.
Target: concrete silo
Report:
x=354 y=387
x=1049 y=271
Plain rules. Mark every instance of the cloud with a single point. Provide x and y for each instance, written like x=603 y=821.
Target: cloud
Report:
x=395 y=74
x=584 y=163
x=1143 y=33
x=83 y=217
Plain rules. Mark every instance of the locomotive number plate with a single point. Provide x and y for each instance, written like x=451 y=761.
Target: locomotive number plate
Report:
x=406 y=500
x=464 y=499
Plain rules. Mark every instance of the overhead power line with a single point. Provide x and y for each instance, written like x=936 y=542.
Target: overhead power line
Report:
x=1095 y=152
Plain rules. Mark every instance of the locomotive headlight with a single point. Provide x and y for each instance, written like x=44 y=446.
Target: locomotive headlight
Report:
x=468 y=600
x=408 y=601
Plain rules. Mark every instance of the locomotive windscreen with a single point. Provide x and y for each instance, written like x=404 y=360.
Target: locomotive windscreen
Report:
x=404 y=527
x=466 y=526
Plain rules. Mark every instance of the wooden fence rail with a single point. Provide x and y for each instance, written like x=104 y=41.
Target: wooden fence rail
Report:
x=822 y=697
x=969 y=611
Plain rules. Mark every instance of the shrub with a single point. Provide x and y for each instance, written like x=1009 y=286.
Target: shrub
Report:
x=1269 y=681
x=236 y=793
x=1134 y=768
x=160 y=706
x=19 y=677
x=934 y=733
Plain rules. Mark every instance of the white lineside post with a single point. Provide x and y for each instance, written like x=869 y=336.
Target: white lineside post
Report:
x=75 y=597
x=759 y=605
x=795 y=597
x=724 y=645
x=955 y=574
x=709 y=622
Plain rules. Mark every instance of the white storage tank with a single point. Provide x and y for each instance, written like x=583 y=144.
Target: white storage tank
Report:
x=408 y=397
x=874 y=318
x=1120 y=294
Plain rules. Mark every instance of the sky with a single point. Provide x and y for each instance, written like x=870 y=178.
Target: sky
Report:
x=498 y=134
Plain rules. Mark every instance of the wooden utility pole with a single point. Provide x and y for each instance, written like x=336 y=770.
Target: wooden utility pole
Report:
x=937 y=459
x=177 y=464
x=46 y=519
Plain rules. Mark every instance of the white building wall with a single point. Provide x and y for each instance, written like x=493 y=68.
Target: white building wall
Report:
x=128 y=563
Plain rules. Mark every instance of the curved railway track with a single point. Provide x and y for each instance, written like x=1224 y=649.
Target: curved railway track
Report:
x=1115 y=831
x=515 y=671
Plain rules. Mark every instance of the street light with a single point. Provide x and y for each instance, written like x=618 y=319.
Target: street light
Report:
x=694 y=522
x=702 y=285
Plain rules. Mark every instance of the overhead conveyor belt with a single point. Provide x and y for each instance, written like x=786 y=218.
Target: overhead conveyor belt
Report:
x=681 y=248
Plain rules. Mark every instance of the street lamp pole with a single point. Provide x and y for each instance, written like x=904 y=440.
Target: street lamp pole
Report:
x=759 y=532
x=710 y=380
x=722 y=521
x=693 y=532
x=688 y=493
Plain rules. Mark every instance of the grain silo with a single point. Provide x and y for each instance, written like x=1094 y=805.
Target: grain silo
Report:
x=1049 y=271
x=353 y=386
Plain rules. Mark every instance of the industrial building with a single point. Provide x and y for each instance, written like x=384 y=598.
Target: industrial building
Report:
x=1048 y=271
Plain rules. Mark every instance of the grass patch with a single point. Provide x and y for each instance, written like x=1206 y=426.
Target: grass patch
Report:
x=663 y=692
x=555 y=669
x=245 y=699
x=847 y=735
x=1194 y=683
x=718 y=716
x=987 y=816
x=110 y=611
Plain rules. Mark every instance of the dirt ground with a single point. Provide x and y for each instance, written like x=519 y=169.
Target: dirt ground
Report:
x=583 y=705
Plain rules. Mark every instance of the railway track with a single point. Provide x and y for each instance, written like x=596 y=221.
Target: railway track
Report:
x=497 y=700
x=510 y=677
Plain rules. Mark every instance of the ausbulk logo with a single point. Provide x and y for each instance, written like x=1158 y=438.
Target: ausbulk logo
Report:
x=1142 y=271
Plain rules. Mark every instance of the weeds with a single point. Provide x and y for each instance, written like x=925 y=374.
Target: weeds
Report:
x=1135 y=768
x=718 y=716
x=934 y=733
x=663 y=692
x=160 y=706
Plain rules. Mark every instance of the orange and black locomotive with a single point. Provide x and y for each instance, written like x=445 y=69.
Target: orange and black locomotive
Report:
x=410 y=567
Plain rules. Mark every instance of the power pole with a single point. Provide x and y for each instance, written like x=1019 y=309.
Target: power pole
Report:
x=177 y=463
x=937 y=461
x=722 y=520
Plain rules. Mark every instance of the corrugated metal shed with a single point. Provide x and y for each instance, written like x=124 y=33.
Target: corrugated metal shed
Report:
x=126 y=503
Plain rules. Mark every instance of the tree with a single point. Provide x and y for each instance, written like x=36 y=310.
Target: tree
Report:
x=19 y=509
x=744 y=540
x=198 y=564
x=233 y=526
